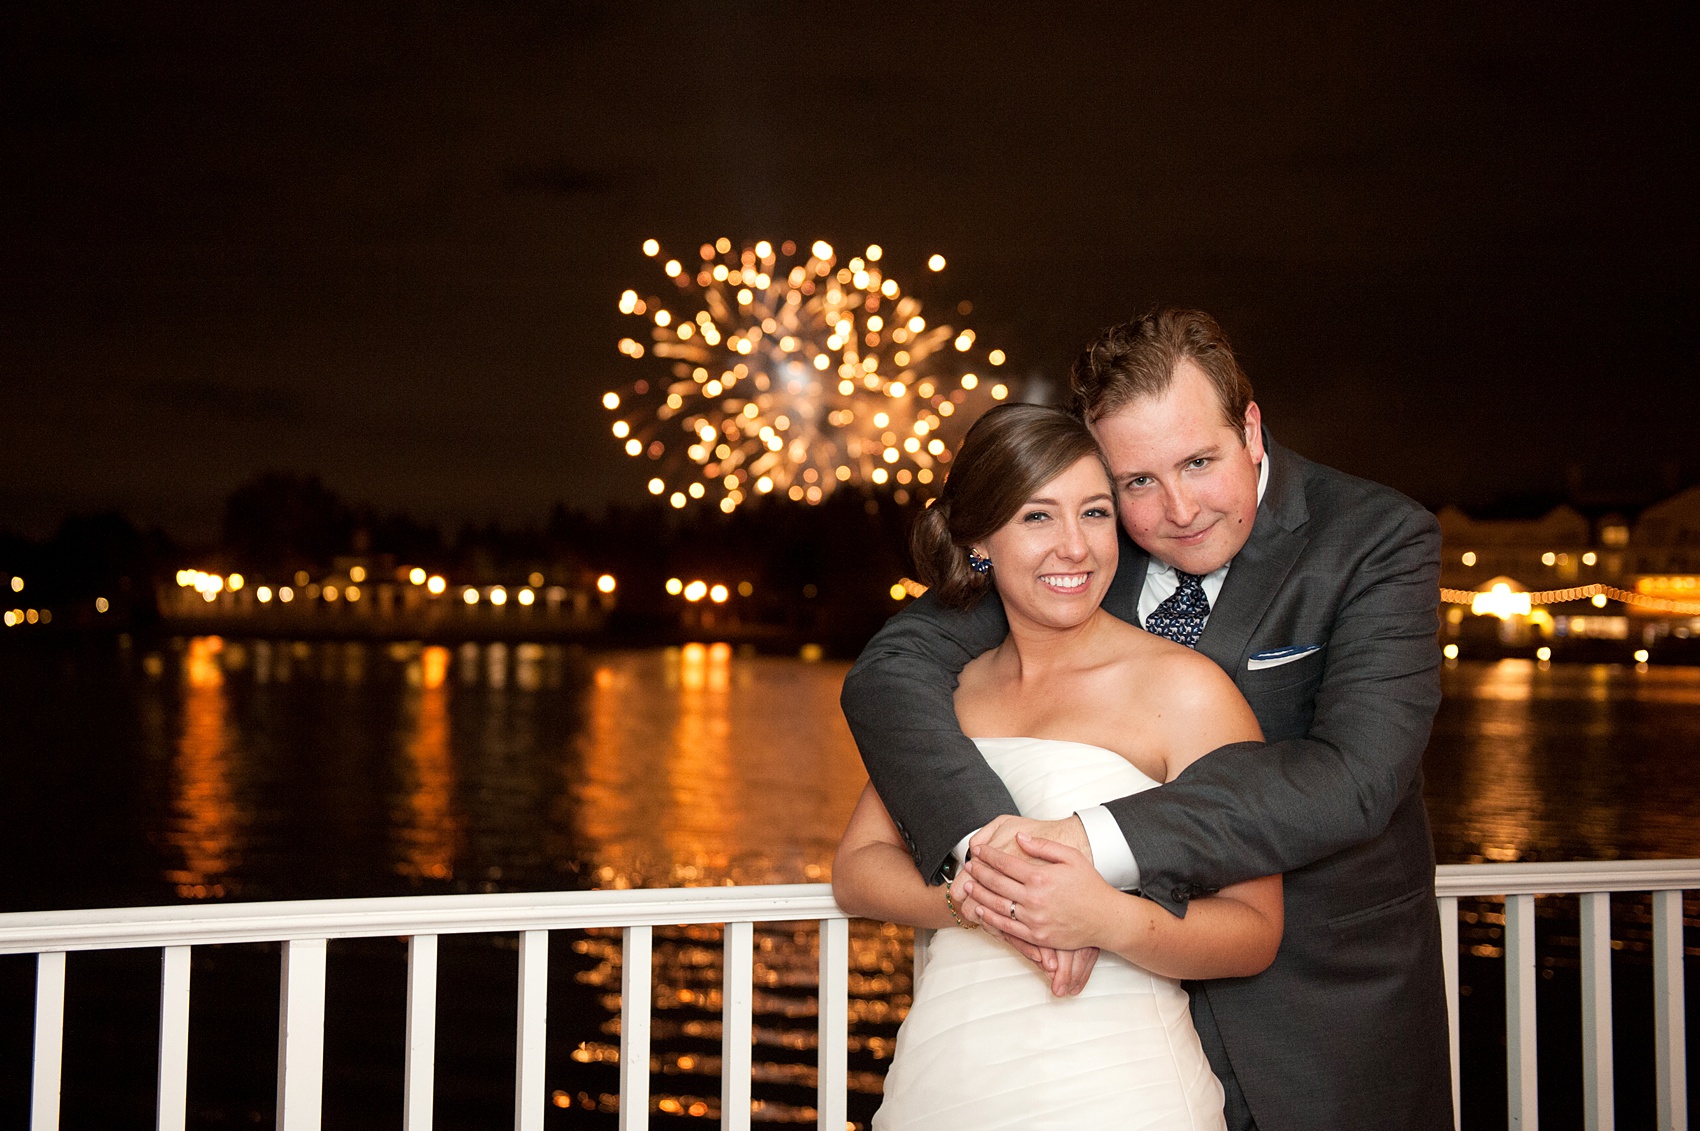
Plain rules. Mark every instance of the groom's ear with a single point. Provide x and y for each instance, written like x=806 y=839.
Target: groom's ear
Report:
x=1251 y=433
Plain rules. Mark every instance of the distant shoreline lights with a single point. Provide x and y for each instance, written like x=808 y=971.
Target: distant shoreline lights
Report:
x=782 y=371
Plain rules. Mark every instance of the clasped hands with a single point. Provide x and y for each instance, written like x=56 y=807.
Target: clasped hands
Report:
x=1032 y=884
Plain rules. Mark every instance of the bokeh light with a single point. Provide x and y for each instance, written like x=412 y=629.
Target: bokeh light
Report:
x=775 y=370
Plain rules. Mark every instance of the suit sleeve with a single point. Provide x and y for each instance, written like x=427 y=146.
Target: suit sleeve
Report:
x=898 y=700
x=1253 y=810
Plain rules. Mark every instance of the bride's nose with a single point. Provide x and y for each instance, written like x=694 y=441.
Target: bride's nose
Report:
x=1072 y=545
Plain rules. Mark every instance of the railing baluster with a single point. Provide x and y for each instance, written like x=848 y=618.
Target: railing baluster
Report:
x=1522 y=1085
x=171 y=1108
x=1597 y=1086
x=301 y=1035
x=533 y=1030
x=737 y=997
x=635 y=964
x=1449 y=968
x=49 y=1040
x=833 y=1015
x=1669 y=1037
x=419 y=1093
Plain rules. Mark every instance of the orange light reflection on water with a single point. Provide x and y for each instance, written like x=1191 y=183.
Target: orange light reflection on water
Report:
x=1501 y=792
x=702 y=767
x=207 y=820
x=429 y=829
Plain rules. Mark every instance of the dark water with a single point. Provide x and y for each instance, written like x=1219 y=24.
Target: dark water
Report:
x=205 y=769
x=272 y=770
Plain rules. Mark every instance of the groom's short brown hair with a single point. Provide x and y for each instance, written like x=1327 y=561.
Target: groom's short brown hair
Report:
x=1137 y=359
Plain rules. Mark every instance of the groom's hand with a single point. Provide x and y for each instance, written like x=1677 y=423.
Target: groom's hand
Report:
x=1000 y=833
x=1073 y=968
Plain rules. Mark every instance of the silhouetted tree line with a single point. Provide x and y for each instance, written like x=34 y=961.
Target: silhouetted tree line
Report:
x=89 y=556
x=827 y=568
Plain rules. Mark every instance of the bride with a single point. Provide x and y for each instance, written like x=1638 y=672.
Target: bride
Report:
x=1073 y=708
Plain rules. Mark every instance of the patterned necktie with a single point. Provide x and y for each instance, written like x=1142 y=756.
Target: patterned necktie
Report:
x=1181 y=616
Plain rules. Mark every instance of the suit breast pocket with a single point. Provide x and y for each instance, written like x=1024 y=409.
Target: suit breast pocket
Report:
x=1284 y=698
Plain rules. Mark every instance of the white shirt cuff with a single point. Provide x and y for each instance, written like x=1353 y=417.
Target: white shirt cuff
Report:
x=1110 y=853
x=961 y=851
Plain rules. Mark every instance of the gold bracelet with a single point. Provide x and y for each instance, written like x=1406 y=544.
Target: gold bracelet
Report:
x=950 y=904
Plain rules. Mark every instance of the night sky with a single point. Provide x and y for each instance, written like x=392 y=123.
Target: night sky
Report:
x=1455 y=248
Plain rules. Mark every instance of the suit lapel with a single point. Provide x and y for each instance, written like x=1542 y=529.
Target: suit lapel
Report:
x=1262 y=565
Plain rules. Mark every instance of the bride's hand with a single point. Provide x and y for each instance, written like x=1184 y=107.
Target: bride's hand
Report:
x=1049 y=897
x=1068 y=970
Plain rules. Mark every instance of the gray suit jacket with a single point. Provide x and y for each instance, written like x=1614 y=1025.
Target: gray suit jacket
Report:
x=1347 y=1029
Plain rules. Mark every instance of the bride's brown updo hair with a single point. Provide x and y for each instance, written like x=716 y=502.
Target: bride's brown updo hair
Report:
x=1011 y=452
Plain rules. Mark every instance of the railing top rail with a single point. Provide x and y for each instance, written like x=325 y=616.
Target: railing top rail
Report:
x=29 y=932
x=1566 y=878
x=191 y=924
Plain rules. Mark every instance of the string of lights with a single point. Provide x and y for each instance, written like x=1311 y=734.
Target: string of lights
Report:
x=1583 y=593
x=785 y=371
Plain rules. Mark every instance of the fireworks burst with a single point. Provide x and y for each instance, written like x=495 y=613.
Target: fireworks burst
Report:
x=792 y=374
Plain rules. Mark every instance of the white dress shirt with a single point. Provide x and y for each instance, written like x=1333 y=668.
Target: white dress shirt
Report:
x=1110 y=852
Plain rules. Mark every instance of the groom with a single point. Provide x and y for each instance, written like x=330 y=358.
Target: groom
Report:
x=1317 y=593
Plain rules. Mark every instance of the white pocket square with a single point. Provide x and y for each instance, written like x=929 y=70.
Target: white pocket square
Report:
x=1275 y=657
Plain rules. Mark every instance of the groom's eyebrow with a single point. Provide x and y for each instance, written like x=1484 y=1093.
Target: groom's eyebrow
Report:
x=1211 y=452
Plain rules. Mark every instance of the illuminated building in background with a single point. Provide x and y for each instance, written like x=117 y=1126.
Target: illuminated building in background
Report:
x=1666 y=537
x=1478 y=549
x=1560 y=577
x=770 y=369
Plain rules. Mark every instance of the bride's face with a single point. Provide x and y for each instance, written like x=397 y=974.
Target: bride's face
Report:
x=1053 y=561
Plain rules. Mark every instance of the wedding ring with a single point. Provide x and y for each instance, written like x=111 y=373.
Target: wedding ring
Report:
x=1012 y=911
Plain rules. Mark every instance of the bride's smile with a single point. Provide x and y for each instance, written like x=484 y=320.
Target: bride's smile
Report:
x=1065 y=582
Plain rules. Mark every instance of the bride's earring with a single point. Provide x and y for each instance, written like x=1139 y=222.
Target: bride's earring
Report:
x=979 y=565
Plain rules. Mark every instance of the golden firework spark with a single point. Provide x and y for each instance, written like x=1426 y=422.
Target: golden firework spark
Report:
x=790 y=373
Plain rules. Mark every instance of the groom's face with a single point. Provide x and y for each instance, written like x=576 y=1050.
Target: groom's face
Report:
x=1186 y=479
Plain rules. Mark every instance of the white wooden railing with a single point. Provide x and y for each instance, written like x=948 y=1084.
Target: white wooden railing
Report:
x=304 y=927
x=1593 y=882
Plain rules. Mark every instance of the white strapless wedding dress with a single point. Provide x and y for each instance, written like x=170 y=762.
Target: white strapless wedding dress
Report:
x=985 y=1044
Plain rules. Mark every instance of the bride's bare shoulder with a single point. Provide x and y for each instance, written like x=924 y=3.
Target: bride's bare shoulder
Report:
x=1166 y=678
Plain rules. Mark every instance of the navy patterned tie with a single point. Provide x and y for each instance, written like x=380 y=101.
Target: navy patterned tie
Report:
x=1181 y=616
